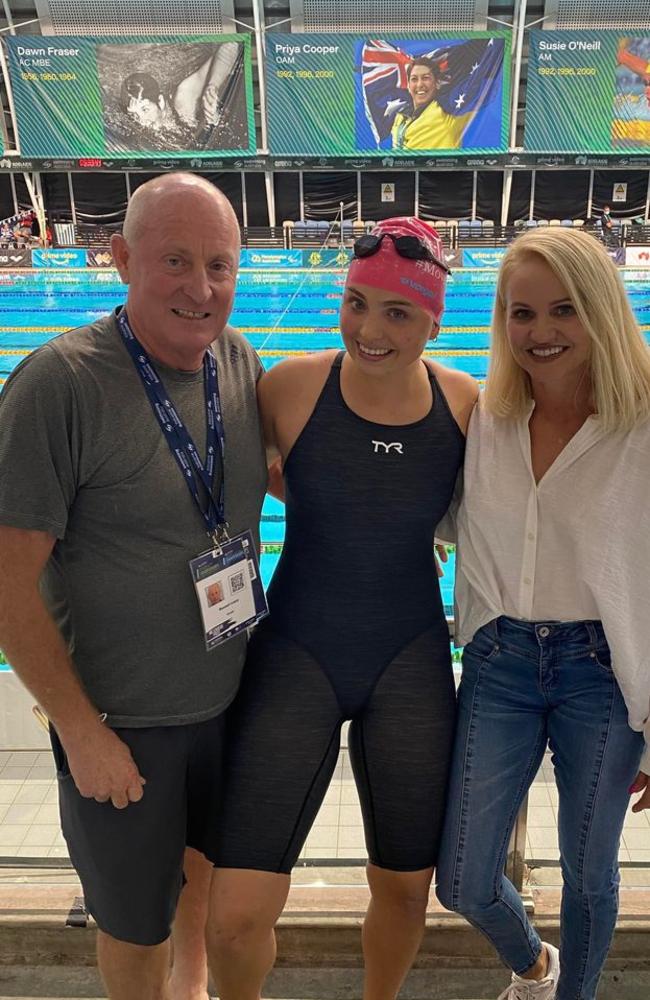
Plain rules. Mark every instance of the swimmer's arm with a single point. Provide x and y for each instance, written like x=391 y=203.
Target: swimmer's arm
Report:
x=266 y=391
x=461 y=392
x=286 y=396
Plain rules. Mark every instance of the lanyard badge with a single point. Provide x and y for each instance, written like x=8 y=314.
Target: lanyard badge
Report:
x=227 y=576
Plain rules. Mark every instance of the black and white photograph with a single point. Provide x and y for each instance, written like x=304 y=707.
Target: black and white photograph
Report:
x=183 y=96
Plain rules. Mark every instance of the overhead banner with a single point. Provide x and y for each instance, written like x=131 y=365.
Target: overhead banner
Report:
x=347 y=95
x=99 y=97
x=588 y=92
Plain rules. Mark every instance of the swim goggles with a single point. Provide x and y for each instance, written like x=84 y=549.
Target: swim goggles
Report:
x=409 y=247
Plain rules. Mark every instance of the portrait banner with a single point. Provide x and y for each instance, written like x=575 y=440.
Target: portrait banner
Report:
x=408 y=95
x=588 y=92
x=149 y=97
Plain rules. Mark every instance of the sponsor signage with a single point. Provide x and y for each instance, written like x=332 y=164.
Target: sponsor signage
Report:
x=99 y=258
x=476 y=257
x=58 y=259
x=637 y=257
x=15 y=258
x=516 y=161
x=271 y=258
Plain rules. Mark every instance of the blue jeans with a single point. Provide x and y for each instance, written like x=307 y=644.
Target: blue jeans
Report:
x=526 y=684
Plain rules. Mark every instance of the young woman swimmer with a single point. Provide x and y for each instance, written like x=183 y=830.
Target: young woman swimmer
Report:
x=371 y=440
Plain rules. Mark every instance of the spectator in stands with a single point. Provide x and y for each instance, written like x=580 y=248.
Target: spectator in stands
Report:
x=610 y=236
x=6 y=233
x=427 y=126
x=94 y=508
x=552 y=589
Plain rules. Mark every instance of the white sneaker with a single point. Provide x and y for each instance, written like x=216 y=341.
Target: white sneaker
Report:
x=536 y=989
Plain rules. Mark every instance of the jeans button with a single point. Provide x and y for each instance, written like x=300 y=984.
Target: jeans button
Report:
x=544 y=631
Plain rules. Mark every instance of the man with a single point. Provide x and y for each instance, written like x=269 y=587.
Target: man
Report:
x=428 y=127
x=95 y=510
x=610 y=237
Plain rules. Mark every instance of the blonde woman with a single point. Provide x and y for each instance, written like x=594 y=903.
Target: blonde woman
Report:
x=554 y=604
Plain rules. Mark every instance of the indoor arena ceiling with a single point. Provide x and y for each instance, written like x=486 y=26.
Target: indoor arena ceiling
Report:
x=388 y=15
x=124 y=17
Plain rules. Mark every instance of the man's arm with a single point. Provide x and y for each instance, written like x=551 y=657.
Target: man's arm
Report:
x=100 y=763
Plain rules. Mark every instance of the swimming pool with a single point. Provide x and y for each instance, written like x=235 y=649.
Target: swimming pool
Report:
x=281 y=312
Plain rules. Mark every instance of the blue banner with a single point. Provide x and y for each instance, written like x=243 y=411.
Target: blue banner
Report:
x=271 y=258
x=59 y=258
x=295 y=258
x=483 y=258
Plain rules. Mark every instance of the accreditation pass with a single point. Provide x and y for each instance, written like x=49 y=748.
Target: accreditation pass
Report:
x=229 y=589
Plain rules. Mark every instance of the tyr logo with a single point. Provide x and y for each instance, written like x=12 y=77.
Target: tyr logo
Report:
x=396 y=445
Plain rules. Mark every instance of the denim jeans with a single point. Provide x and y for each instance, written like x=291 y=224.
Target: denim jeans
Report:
x=526 y=684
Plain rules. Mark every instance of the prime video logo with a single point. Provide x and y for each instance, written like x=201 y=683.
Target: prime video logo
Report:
x=58 y=258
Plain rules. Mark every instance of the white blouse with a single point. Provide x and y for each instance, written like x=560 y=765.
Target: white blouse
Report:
x=574 y=546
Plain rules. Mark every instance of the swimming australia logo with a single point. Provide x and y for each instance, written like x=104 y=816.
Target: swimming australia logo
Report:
x=383 y=448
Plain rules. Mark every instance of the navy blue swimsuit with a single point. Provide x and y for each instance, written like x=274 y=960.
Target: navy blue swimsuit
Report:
x=357 y=631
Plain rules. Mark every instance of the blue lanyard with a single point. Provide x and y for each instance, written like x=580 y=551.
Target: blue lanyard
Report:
x=177 y=436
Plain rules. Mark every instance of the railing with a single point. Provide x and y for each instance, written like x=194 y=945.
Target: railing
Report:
x=320 y=234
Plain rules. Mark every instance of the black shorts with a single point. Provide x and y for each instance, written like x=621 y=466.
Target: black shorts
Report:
x=130 y=861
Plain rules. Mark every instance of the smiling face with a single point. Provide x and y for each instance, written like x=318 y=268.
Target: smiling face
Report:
x=383 y=333
x=546 y=336
x=421 y=85
x=180 y=267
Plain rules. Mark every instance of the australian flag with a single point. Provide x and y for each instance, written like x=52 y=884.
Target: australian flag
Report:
x=467 y=74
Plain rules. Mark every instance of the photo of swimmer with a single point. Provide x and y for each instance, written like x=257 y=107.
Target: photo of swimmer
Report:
x=181 y=96
x=435 y=95
x=631 y=120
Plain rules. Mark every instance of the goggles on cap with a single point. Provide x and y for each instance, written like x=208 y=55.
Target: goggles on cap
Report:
x=409 y=247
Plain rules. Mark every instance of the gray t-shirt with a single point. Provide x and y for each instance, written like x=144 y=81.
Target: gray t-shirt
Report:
x=83 y=457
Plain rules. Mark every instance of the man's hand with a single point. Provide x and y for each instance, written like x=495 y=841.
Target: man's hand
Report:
x=103 y=769
x=641 y=784
x=210 y=105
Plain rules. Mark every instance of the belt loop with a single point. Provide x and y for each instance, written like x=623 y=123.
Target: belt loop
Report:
x=592 y=632
x=494 y=628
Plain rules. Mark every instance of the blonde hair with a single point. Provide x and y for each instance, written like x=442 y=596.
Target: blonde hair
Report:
x=620 y=358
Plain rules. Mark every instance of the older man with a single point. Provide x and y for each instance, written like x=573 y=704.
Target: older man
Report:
x=113 y=524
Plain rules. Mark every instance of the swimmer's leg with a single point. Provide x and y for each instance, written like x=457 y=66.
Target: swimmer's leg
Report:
x=283 y=745
x=244 y=909
x=400 y=748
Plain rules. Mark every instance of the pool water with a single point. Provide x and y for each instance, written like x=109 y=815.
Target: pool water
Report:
x=282 y=313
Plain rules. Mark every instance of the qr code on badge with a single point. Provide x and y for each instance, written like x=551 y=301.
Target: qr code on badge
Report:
x=236 y=583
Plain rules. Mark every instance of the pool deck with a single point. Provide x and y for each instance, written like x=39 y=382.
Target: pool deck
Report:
x=29 y=819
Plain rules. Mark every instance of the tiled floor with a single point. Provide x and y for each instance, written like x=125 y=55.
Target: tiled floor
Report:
x=29 y=824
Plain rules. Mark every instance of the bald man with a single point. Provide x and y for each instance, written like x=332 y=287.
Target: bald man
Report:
x=99 y=614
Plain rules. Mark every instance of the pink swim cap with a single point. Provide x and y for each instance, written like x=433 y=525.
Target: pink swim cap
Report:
x=421 y=281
